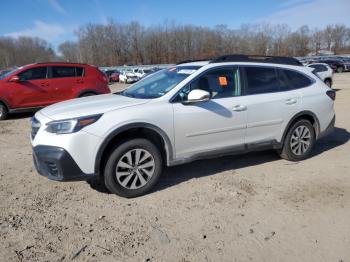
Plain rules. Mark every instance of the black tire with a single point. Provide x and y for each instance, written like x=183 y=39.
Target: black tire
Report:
x=288 y=152
x=3 y=112
x=116 y=156
x=87 y=94
x=328 y=82
x=340 y=69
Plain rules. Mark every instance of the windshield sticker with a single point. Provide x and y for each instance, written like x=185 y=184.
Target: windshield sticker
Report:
x=186 y=71
x=172 y=69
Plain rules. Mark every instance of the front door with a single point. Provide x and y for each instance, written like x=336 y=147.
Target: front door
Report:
x=217 y=124
x=33 y=89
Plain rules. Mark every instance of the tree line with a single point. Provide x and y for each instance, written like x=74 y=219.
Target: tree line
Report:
x=24 y=50
x=116 y=43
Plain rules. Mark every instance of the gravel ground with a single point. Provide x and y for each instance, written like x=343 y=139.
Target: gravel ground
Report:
x=253 y=207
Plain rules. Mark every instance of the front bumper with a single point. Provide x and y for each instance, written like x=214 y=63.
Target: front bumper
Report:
x=57 y=164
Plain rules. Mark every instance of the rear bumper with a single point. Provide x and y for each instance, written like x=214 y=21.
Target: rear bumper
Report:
x=57 y=164
x=329 y=128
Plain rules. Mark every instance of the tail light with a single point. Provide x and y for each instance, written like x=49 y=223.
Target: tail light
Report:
x=331 y=94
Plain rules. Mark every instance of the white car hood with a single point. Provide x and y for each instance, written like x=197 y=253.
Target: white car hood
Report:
x=89 y=106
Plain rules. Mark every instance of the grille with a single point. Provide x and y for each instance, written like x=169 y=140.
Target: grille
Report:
x=35 y=127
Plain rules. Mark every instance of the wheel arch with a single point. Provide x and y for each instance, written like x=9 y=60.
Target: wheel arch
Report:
x=308 y=115
x=134 y=130
x=2 y=101
x=87 y=91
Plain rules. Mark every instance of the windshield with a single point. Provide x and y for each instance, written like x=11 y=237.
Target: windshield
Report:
x=9 y=73
x=159 y=83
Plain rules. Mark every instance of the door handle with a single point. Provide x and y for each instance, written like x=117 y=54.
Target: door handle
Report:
x=239 y=108
x=291 y=101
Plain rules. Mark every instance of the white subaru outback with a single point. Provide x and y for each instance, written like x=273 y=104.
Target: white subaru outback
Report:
x=191 y=111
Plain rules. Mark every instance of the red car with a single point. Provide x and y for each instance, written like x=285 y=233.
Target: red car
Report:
x=114 y=77
x=37 y=85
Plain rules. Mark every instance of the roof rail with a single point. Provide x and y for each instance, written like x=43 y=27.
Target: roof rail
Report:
x=192 y=61
x=60 y=63
x=258 y=59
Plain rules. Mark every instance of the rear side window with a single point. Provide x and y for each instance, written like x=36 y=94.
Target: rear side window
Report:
x=79 y=71
x=34 y=73
x=296 y=80
x=261 y=80
x=63 y=71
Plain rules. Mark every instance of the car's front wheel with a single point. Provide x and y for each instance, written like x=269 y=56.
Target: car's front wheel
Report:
x=133 y=168
x=299 y=141
x=3 y=112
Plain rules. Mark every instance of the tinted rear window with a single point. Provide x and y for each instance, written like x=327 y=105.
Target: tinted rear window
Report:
x=260 y=80
x=80 y=71
x=63 y=71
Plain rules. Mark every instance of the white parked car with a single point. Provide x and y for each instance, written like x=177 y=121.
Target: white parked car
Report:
x=187 y=112
x=324 y=71
x=128 y=76
x=141 y=72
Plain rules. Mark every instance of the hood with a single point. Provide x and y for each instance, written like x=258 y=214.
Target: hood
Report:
x=89 y=106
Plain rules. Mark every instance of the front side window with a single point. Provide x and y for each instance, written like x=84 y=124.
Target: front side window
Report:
x=220 y=83
x=160 y=83
x=34 y=73
x=261 y=80
x=63 y=71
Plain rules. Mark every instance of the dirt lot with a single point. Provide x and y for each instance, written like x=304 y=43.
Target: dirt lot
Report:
x=254 y=207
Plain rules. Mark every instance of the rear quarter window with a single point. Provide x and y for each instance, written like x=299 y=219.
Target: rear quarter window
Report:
x=295 y=79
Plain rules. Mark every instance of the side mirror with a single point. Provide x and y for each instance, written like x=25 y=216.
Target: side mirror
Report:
x=15 y=79
x=197 y=95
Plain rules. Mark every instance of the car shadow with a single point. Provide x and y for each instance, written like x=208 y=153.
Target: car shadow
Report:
x=19 y=116
x=201 y=168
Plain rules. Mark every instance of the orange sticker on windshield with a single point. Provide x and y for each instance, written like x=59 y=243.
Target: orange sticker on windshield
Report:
x=223 y=80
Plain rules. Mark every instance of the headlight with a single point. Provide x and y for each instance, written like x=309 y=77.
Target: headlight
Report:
x=68 y=126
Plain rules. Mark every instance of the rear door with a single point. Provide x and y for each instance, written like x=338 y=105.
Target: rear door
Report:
x=270 y=103
x=63 y=81
x=33 y=89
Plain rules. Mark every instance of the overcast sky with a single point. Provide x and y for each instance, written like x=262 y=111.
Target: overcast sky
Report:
x=56 y=20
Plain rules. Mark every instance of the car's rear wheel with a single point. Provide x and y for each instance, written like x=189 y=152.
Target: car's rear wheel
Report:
x=299 y=141
x=3 y=112
x=133 y=168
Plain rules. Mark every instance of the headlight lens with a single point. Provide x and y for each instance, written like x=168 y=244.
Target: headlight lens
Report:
x=68 y=126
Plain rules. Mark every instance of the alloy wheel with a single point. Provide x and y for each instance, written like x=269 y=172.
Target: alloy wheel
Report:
x=300 y=140
x=135 y=168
